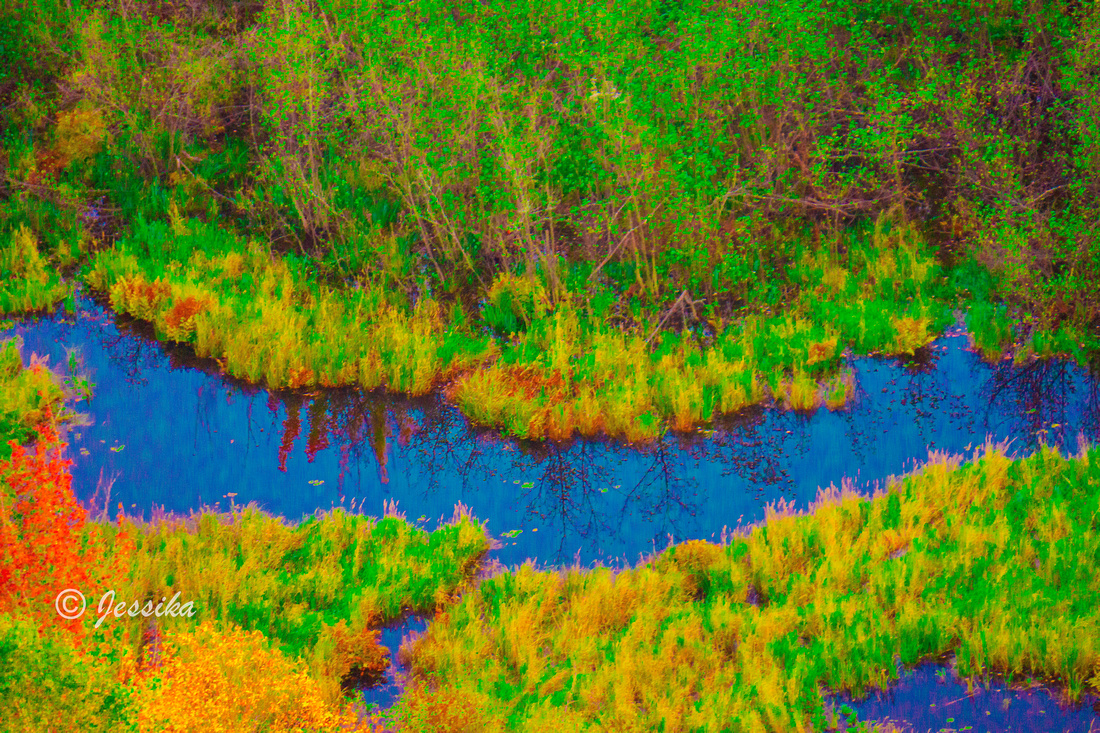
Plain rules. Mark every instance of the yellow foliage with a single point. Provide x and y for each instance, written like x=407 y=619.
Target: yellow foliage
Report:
x=912 y=333
x=226 y=681
x=803 y=392
x=526 y=295
x=21 y=259
x=140 y=298
x=179 y=228
x=80 y=134
x=835 y=278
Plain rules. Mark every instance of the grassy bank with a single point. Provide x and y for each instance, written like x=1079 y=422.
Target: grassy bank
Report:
x=993 y=560
x=570 y=369
x=274 y=624
x=216 y=621
x=524 y=204
x=31 y=394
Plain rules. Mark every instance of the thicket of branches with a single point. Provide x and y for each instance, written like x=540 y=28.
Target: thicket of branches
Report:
x=667 y=145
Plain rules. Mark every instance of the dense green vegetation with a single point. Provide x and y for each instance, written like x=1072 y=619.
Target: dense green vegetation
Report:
x=523 y=203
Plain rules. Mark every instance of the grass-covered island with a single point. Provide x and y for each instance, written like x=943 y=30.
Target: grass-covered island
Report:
x=611 y=219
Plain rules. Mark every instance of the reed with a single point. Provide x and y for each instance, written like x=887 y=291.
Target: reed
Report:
x=974 y=558
x=27 y=283
x=30 y=395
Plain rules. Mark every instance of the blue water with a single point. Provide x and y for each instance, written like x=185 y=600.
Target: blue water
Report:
x=931 y=698
x=393 y=636
x=170 y=433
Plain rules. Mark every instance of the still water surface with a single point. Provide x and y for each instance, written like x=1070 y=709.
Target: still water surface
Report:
x=169 y=432
x=931 y=697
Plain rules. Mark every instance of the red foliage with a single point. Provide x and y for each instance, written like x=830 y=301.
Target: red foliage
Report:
x=45 y=544
x=149 y=293
x=292 y=425
x=183 y=311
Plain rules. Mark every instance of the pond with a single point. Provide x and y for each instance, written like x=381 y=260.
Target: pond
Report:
x=931 y=697
x=169 y=433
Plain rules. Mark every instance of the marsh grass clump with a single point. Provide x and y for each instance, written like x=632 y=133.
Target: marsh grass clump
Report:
x=988 y=560
x=513 y=302
x=274 y=320
x=567 y=374
x=27 y=283
x=317 y=590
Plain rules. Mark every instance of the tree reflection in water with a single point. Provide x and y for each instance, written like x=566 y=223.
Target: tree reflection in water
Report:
x=1042 y=401
x=192 y=432
x=606 y=501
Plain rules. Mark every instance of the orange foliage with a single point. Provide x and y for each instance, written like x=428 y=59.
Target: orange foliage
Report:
x=532 y=382
x=139 y=297
x=234 y=680
x=357 y=654
x=300 y=377
x=180 y=320
x=151 y=293
x=820 y=351
x=446 y=710
x=45 y=545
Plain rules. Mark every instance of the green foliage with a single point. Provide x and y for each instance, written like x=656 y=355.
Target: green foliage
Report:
x=43 y=679
x=574 y=169
x=298 y=583
x=513 y=303
x=990 y=328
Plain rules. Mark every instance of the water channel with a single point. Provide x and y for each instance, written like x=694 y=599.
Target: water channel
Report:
x=169 y=432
